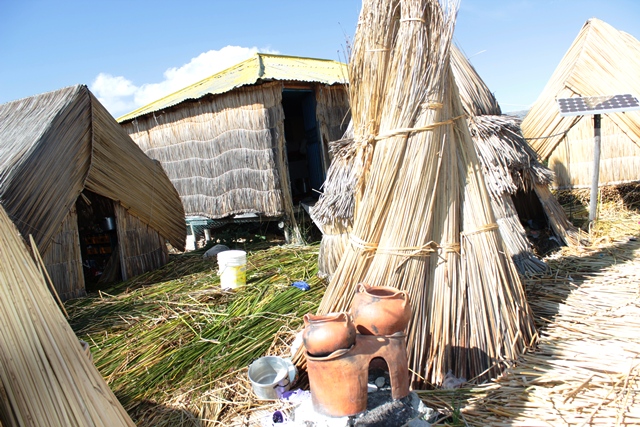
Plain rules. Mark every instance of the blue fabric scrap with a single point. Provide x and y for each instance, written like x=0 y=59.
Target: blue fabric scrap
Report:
x=301 y=285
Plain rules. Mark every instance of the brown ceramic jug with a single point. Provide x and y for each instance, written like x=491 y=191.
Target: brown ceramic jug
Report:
x=380 y=310
x=324 y=334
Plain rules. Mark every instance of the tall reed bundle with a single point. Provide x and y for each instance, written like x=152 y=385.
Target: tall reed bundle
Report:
x=476 y=97
x=45 y=377
x=423 y=220
x=508 y=163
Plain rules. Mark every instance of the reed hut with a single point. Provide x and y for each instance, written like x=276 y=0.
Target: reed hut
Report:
x=601 y=61
x=252 y=139
x=96 y=206
x=517 y=181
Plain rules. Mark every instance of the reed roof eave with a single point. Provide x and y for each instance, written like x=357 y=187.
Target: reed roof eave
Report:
x=260 y=67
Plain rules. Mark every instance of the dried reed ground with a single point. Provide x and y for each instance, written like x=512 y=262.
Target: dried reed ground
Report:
x=583 y=371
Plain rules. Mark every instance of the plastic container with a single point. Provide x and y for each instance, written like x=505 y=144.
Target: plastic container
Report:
x=232 y=269
x=271 y=376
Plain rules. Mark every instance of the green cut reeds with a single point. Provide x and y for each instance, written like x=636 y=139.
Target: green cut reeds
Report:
x=175 y=332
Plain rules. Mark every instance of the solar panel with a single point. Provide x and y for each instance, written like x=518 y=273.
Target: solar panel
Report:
x=597 y=104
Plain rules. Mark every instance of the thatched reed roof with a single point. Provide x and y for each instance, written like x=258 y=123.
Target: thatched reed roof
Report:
x=601 y=61
x=260 y=67
x=423 y=220
x=55 y=145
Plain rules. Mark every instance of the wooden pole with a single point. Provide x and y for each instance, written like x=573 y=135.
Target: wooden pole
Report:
x=595 y=177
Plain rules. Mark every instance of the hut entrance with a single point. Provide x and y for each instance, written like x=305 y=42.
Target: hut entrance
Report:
x=304 y=150
x=98 y=240
x=535 y=222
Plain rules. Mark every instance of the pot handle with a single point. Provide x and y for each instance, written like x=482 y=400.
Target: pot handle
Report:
x=405 y=298
x=361 y=287
x=305 y=318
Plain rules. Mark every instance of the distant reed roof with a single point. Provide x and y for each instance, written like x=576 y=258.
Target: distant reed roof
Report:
x=601 y=61
x=260 y=66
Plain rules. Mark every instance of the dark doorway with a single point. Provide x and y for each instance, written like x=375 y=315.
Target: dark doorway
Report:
x=304 y=149
x=98 y=240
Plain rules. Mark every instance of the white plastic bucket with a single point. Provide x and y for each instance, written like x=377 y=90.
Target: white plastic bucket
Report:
x=232 y=269
x=271 y=376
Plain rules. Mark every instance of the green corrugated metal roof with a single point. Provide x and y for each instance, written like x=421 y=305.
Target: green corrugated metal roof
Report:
x=260 y=66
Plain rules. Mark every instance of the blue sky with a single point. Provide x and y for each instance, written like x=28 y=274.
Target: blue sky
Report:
x=132 y=52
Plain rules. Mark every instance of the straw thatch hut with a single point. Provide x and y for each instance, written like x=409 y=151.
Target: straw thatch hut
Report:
x=95 y=204
x=252 y=139
x=601 y=61
x=517 y=182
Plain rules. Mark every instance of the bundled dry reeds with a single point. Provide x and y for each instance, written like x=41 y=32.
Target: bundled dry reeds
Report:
x=45 y=377
x=508 y=163
x=423 y=220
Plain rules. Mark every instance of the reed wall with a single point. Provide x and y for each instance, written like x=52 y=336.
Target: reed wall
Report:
x=220 y=151
x=141 y=248
x=572 y=159
x=333 y=115
x=63 y=259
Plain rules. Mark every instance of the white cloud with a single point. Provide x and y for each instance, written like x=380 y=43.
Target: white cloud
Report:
x=120 y=96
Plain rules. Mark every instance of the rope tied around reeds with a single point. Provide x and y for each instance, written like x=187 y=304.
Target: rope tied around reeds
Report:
x=428 y=105
x=405 y=252
x=483 y=229
x=407 y=131
x=413 y=20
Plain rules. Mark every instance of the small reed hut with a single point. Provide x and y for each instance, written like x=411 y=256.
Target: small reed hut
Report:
x=601 y=61
x=252 y=139
x=97 y=208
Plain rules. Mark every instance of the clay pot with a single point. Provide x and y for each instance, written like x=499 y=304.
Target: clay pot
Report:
x=324 y=334
x=380 y=310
